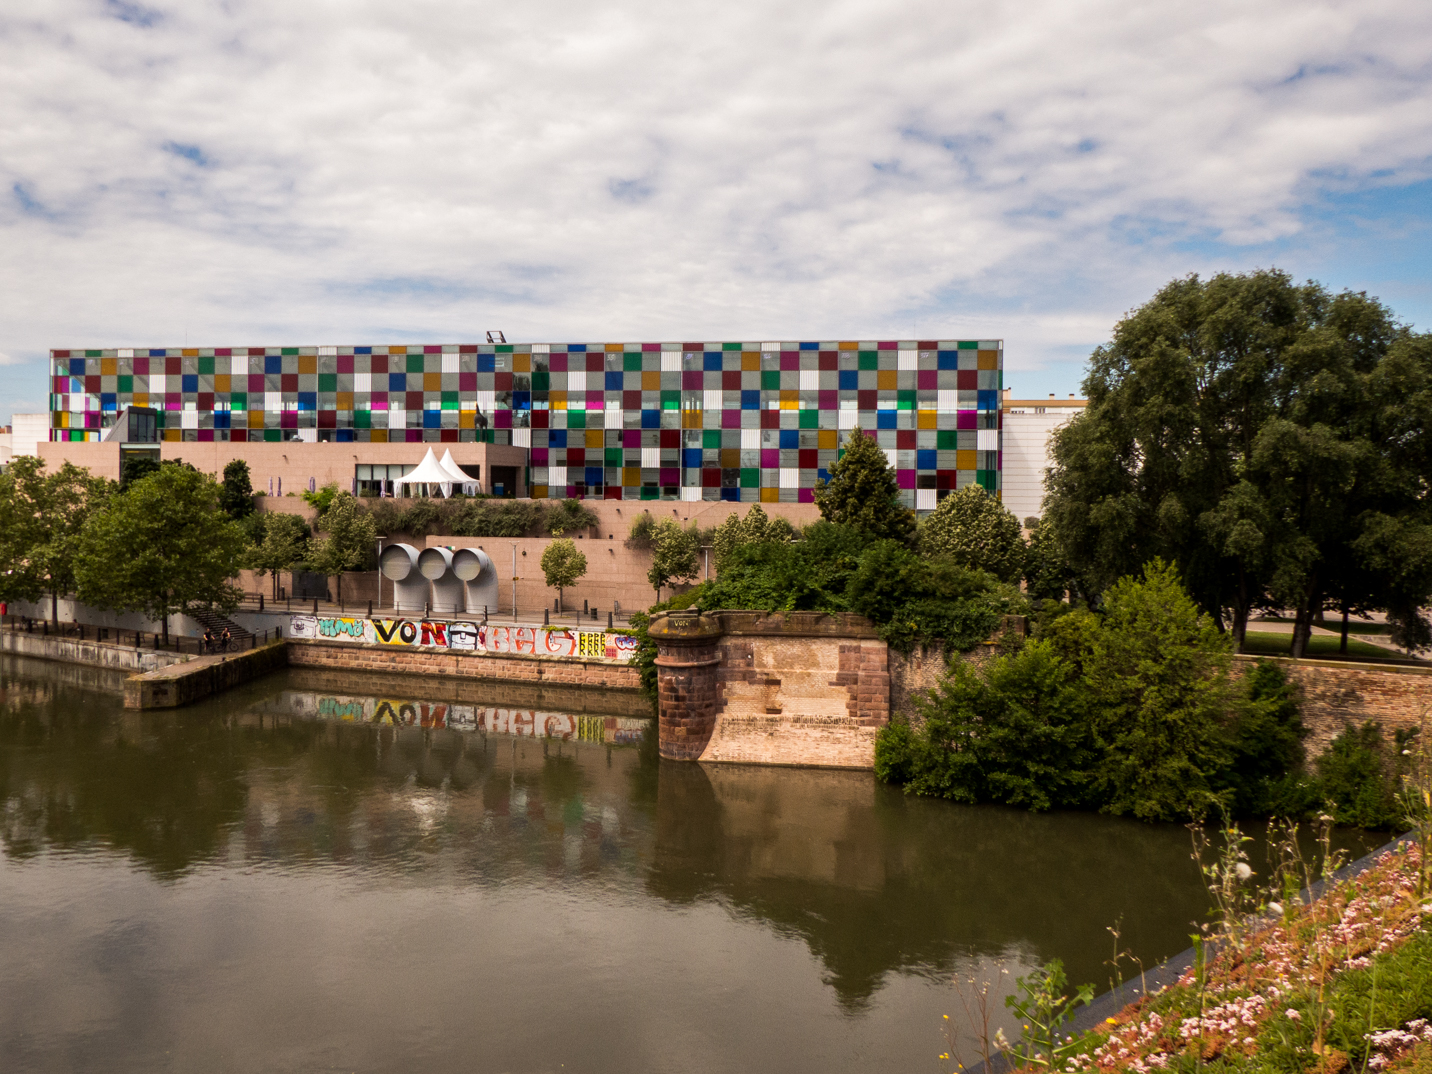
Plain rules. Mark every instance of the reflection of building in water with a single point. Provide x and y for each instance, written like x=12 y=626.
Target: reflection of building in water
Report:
x=399 y=712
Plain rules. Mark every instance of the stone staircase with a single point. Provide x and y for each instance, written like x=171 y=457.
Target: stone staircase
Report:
x=217 y=623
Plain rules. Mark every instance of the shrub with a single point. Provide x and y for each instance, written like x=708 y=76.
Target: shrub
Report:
x=975 y=530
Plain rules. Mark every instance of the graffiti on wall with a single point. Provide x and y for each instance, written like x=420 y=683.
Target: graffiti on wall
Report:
x=469 y=637
x=522 y=723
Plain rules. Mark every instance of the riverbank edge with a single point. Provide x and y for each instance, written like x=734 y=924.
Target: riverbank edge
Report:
x=1168 y=972
x=201 y=677
x=89 y=653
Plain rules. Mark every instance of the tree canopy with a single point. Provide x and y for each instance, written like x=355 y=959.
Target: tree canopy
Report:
x=673 y=555
x=562 y=565
x=238 y=490
x=349 y=538
x=976 y=531
x=164 y=545
x=282 y=543
x=41 y=518
x=756 y=527
x=1266 y=437
x=863 y=492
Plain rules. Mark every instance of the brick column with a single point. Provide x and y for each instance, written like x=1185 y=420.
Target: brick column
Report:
x=688 y=689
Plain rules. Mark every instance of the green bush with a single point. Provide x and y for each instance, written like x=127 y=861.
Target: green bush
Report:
x=834 y=568
x=478 y=516
x=1129 y=711
x=1357 y=781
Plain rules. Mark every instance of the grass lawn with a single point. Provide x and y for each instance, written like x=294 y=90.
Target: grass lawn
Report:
x=1265 y=643
x=1354 y=626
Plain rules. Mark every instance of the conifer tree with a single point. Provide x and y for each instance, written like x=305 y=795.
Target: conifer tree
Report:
x=863 y=492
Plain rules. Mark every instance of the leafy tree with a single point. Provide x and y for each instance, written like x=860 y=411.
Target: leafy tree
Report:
x=283 y=543
x=562 y=565
x=1160 y=671
x=910 y=598
x=238 y=490
x=1266 y=739
x=863 y=492
x=22 y=529
x=1252 y=432
x=42 y=516
x=1047 y=573
x=162 y=546
x=349 y=539
x=322 y=498
x=673 y=555
x=754 y=528
x=136 y=465
x=1017 y=732
x=1353 y=778
x=976 y=531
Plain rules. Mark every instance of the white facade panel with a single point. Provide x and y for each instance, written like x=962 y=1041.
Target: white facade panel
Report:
x=1027 y=433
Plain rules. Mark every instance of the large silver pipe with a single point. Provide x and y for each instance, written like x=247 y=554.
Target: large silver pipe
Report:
x=435 y=564
x=476 y=569
x=399 y=564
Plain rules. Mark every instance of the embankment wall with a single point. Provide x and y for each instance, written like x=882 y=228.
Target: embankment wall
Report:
x=1335 y=694
x=551 y=677
x=92 y=653
x=201 y=677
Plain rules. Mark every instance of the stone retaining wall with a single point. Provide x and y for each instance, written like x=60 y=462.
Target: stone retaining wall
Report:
x=432 y=663
x=201 y=677
x=1335 y=694
x=93 y=653
x=747 y=687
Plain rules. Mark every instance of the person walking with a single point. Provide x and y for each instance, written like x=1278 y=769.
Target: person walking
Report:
x=225 y=638
x=208 y=641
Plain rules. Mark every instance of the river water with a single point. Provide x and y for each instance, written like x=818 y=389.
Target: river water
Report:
x=295 y=877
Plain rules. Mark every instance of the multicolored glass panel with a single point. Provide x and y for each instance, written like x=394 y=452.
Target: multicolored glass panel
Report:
x=742 y=421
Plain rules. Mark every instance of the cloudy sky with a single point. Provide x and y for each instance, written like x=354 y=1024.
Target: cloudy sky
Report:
x=246 y=172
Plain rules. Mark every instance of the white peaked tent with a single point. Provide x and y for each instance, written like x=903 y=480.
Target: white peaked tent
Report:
x=429 y=472
x=459 y=477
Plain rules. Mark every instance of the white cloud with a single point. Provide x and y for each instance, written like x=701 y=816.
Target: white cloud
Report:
x=5 y=359
x=267 y=171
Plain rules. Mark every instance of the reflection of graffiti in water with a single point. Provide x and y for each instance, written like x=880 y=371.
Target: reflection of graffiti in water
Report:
x=522 y=723
x=332 y=708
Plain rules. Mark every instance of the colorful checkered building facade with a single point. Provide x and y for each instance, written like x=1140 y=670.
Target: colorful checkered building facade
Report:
x=716 y=421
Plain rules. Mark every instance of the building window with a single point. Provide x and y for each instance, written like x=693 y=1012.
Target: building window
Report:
x=380 y=480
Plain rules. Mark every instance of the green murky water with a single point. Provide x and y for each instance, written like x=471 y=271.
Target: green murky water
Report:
x=297 y=877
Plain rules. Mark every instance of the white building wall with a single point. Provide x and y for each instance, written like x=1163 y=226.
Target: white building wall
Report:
x=27 y=430
x=1028 y=426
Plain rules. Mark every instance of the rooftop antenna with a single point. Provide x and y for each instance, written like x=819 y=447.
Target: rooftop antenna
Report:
x=496 y=337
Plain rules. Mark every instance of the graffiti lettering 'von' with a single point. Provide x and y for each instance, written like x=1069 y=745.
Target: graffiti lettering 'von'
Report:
x=469 y=637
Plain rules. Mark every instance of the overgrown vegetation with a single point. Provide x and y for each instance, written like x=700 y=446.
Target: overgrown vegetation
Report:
x=835 y=568
x=479 y=516
x=1133 y=710
x=1340 y=983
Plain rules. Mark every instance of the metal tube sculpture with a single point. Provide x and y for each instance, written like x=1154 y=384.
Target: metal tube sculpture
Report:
x=399 y=564
x=474 y=567
x=435 y=564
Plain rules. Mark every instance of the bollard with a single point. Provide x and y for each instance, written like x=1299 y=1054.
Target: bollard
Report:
x=315 y=605
x=261 y=602
x=584 y=607
x=546 y=617
x=609 y=620
x=370 y=609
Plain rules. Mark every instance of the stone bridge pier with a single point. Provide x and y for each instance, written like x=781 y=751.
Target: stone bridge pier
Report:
x=804 y=688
